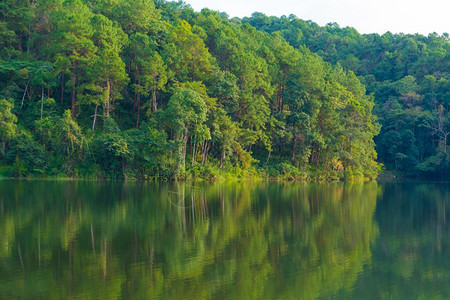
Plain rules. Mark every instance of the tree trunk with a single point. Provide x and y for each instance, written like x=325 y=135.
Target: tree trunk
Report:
x=29 y=38
x=42 y=103
x=203 y=149
x=316 y=158
x=281 y=99
x=294 y=149
x=92 y=238
x=205 y=152
x=74 y=90
x=62 y=88
x=138 y=98
x=185 y=138
x=194 y=151
x=155 y=105
x=268 y=156
x=445 y=141
x=136 y=82
x=222 y=157
x=138 y=109
x=19 y=43
x=24 y=94
x=108 y=94
x=94 y=124
x=3 y=147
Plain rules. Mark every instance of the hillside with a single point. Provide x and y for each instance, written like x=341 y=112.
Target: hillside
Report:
x=141 y=89
x=409 y=76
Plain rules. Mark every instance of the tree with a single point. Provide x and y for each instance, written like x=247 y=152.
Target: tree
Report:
x=7 y=123
x=185 y=114
x=113 y=149
x=186 y=55
x=107 y=70
x=72 y=42
x=135 y=15
x=154 y=76
x=440 y=128
x=149 y=72
x=18 y=14
x=70 y=141
x=224 y=93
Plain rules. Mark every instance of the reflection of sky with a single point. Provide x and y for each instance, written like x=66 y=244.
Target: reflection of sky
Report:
x=408 y=16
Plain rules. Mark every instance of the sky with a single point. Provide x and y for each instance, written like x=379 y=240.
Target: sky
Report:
x=367 y=16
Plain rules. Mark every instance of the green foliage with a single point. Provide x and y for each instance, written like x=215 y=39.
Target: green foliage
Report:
x=7 y=123
x=112 y=150
x=409 y=78
x=156 y=90
x=26 y=155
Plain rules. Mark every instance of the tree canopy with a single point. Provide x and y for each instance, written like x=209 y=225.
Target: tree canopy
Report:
x=408 y=75
x=157 y=90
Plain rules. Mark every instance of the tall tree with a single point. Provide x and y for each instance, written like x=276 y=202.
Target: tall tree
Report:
x=107 y=69
x=72 y=42
x=7 y=123
x=154 y=76
x=186 y=113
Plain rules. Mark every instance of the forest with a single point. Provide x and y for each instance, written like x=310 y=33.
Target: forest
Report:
x=142 y=89
x=409 y=76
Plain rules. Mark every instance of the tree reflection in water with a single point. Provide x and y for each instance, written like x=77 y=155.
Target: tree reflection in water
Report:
x=169 y=240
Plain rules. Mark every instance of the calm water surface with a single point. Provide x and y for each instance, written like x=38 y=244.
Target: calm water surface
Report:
x=97 y=240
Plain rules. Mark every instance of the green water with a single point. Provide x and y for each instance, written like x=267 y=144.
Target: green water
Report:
x=97 y=240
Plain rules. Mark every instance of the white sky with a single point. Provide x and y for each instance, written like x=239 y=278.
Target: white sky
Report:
x=367 y=16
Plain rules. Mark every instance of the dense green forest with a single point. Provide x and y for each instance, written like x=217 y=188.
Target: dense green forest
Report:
x=409 y=76
x=146 y=90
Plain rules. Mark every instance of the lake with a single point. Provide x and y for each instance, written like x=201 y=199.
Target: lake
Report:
x=107 y=240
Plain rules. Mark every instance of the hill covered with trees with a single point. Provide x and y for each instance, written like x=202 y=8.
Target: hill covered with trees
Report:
x=409 y=76
x=143 y=89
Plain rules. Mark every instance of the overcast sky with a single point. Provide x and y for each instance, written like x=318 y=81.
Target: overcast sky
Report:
x=367 y=16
